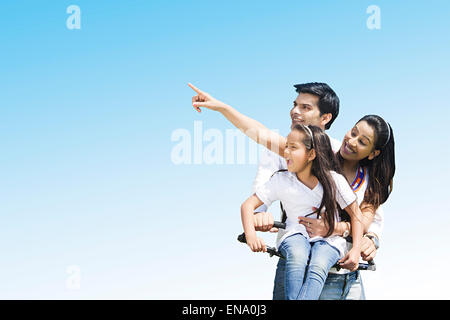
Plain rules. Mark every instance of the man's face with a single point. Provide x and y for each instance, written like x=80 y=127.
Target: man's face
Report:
x=306 y=111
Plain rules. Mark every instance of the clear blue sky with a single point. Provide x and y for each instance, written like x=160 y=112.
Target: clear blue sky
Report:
x=87 y=117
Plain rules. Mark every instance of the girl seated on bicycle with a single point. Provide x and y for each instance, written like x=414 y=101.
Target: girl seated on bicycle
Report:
x=310 y=181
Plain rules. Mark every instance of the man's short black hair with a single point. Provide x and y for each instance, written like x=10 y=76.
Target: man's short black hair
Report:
x=328 y=100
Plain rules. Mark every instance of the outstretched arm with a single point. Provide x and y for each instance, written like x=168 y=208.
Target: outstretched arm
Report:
x=250 y=127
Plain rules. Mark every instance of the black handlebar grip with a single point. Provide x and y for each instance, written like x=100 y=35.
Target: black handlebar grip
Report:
x=372 y=266
x=241 y=238
x=279 y=225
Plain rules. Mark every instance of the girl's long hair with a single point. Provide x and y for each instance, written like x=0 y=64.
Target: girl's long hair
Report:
x=381 y=169
x=324 y=161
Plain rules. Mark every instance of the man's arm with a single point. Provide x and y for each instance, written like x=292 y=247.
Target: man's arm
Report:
x=250 y=127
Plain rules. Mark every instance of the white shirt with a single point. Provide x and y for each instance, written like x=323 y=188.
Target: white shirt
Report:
x=298 y=200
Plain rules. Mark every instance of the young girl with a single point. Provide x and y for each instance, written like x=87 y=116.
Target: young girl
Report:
x=307 y=183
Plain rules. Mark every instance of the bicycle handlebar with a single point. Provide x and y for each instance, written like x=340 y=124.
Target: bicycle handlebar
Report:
x=370 y=265
x=270 y=250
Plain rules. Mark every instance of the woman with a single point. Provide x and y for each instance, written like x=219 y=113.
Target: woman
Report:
x=367 y=160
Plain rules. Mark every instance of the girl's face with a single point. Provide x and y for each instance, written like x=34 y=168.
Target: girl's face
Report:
x=359 y=143
x=295 y=153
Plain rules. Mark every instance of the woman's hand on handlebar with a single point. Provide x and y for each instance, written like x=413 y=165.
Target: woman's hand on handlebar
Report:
x=368 y=249
x=264 y=222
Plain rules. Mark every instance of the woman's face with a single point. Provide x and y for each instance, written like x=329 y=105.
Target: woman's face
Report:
x=359 y=143
x=295 y=153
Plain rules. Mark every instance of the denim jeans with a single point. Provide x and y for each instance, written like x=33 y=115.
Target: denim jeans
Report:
x=337 y=286
x=306 y=266
x=296 y=249
x=323 y=257
x=278 y=283
x=343 y=287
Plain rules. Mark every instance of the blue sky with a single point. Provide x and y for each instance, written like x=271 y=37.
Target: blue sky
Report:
x=87 y=118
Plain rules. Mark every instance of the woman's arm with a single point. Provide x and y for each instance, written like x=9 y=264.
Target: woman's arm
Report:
x=368 y=213
x=250 y=127
x=247 y=208
x=317 y=227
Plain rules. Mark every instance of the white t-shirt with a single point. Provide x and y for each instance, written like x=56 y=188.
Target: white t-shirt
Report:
x=298 y=200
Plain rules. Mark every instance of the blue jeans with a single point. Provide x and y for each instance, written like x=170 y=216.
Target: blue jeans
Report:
x=306 y=266
x=337 y=286
x=323 y=257
x=343 y=287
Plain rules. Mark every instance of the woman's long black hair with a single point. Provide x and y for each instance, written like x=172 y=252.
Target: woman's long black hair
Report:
x=324 y=162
